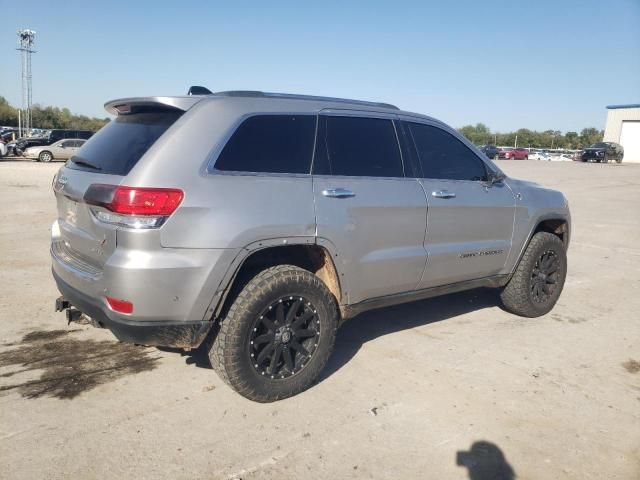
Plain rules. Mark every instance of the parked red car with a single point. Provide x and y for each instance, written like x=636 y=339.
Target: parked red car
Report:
x=520 y=154
x=514 y=153
x=505 y=152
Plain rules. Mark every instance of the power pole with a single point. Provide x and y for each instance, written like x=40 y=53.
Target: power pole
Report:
x=26 y=38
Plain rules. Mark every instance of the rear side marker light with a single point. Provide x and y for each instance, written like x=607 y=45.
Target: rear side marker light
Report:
x=120 y=306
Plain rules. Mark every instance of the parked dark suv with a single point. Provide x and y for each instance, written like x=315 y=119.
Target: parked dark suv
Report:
x=491 y=151
x=603 y=152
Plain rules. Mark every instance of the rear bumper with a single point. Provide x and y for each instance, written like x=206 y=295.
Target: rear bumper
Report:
x=184 y=334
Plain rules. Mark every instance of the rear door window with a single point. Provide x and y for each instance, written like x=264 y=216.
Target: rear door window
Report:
x=358 y=146
x=118 y=146
x=270 y=144
x=443 y=156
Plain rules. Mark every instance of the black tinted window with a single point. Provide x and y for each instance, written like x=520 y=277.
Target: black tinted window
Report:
x=118 y=146
x=355 y=146
x=270 y=143
x=444 y=156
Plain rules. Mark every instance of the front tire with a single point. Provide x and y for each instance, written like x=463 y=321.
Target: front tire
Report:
x=45 y=157
x=277 y=335
x=539 y=278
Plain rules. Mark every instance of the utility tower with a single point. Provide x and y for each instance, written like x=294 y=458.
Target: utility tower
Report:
x=26 y=38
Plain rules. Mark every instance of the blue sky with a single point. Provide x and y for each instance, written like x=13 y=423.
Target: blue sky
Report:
x=509 y=64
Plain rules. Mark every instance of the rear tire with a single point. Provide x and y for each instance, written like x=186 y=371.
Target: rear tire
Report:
x=539 y=278
x=261 y=315
x=45 y=156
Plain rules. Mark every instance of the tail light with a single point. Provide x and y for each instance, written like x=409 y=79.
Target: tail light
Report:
x=133 y=207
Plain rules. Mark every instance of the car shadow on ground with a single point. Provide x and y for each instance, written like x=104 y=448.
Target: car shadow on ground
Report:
x=376 y=323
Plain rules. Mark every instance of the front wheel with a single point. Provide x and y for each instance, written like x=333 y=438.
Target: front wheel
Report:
x=277 y=335
x=537 y=283
x=45 y=156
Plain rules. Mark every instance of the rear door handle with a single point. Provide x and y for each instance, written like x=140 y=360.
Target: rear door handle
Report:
x=443 y=194
x=338 y=193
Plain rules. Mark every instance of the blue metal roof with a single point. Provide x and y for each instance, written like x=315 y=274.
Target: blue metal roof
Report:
x=628 y=105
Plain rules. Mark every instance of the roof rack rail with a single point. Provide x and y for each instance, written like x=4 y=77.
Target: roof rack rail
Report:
x=258 y=94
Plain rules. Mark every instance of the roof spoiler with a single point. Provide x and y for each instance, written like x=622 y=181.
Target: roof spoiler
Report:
x=124 y=106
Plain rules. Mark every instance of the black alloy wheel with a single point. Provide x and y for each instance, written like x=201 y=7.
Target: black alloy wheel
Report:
x=544 y=277
x=284 y=338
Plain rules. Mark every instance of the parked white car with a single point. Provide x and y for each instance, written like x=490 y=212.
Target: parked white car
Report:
x=534 y=155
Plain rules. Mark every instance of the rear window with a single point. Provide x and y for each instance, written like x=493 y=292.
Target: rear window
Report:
x=270 y=143
x=118 y=146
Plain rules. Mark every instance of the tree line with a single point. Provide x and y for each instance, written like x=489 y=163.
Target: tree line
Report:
x=480 y=134
x=50 y=117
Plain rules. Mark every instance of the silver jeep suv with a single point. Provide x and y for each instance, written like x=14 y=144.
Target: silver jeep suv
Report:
x=253 y=224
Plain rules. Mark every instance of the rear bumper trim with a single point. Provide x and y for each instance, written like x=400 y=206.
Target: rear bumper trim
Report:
x=187 y=334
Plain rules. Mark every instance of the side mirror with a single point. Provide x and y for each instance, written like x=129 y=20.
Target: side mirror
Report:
x=62 y=145
x=495 y=177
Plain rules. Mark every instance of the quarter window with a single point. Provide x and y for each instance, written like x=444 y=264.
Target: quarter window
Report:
x=443 y=156
x=270 y=143
x=355 y=146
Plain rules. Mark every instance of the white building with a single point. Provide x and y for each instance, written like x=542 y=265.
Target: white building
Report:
x=623 y=127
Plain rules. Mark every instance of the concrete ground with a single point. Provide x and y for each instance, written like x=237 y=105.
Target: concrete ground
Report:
x=448 y=388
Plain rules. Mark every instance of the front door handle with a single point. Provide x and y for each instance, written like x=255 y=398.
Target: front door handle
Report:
x=338 y=193
x=443 y=194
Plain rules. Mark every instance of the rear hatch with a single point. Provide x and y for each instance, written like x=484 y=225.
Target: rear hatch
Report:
x=106 y=159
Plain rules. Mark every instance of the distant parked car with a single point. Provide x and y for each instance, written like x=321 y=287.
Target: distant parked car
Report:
x=538 y=155
x=59 y=134
x=61 y=150
x=491 y=151
x=520 y=154
x=8 y=134
x=18 y=146
x=603 y=152
x=505 y=152
x=50 y=137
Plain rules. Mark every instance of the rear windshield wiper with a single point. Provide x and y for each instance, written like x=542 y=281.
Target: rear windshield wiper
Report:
x=82 y=163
